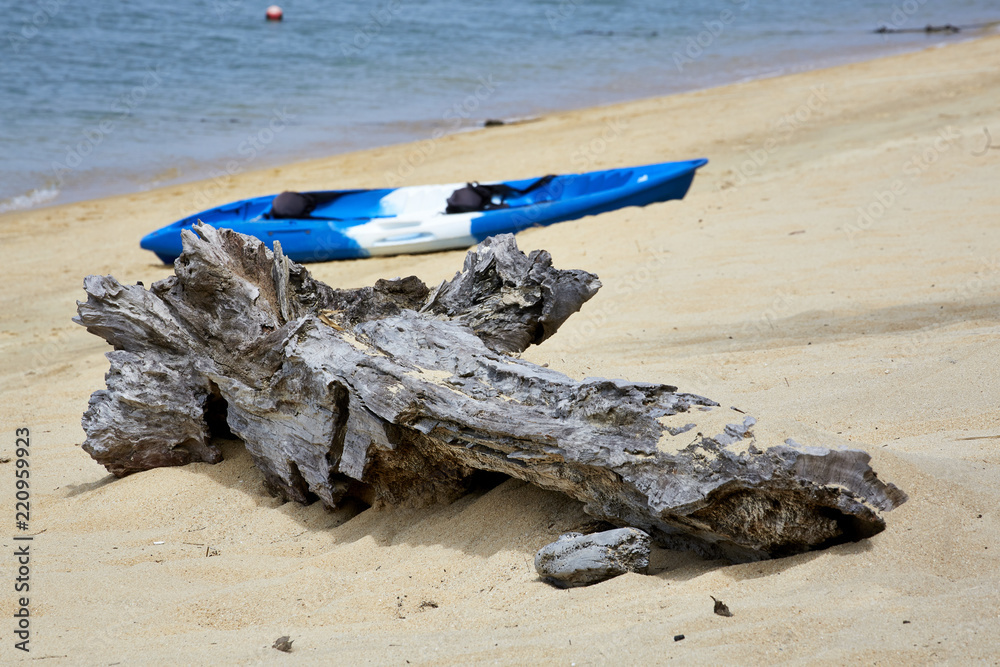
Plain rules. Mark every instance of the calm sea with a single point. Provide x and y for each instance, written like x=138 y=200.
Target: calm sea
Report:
x=101 y=98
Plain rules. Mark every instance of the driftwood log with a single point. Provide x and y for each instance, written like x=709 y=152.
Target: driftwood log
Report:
x=397 y=394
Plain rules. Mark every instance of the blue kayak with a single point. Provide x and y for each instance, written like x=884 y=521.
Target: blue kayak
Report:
x=348 y=224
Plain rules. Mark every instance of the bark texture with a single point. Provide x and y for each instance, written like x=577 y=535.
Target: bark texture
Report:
x=397 y=394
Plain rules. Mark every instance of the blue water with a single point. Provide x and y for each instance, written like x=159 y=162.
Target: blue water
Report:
x=101 y=98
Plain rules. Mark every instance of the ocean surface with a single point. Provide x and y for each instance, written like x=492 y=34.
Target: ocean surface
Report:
x=100 y=98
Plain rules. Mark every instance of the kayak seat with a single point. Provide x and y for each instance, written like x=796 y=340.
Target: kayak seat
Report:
x=291 y=205
x=300 y=205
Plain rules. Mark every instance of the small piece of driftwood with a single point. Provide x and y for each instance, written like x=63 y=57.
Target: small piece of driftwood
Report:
x=928 y=29
x=400 y=394
x=576 y=559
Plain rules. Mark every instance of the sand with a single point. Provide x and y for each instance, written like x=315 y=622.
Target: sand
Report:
x=765 y=289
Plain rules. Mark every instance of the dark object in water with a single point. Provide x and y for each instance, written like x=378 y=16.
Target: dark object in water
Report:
x=612 y=33
x=493 y=122
x=948 y=28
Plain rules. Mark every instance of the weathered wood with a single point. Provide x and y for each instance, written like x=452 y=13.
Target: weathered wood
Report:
x=581 y=560
x=396 y=394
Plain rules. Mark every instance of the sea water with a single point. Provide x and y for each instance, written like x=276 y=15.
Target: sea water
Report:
x=100 y=98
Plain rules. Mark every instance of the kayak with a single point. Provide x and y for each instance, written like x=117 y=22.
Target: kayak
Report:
x=349 y=224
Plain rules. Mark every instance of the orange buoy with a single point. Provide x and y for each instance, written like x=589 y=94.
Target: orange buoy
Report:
x=274 y=13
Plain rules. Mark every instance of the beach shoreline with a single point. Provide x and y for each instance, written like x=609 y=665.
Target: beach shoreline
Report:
x=415 y=151
x=107 y=183
x=834 y=271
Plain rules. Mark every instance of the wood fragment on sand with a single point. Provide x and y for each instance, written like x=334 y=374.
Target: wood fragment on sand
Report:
x=397 y=394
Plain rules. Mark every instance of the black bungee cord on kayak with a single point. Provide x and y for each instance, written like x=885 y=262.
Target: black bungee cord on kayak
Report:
x=478 y=197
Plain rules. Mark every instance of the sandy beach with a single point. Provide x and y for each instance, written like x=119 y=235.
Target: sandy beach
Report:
x=834 y=270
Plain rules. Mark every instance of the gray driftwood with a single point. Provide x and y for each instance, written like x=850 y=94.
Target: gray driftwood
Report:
x=396 y=394
x=580 y=560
